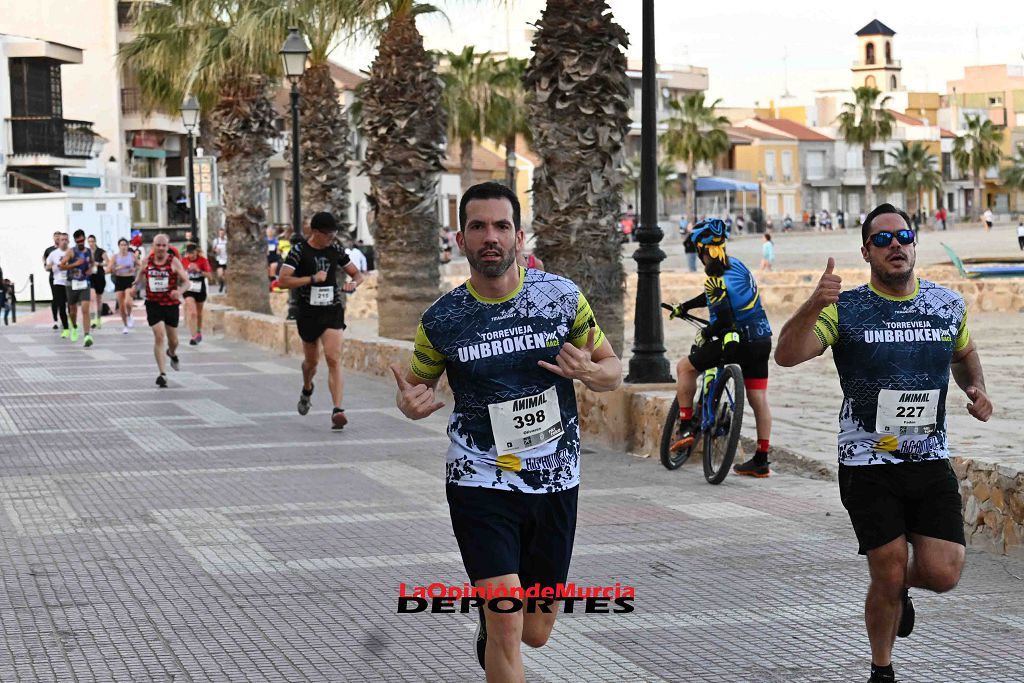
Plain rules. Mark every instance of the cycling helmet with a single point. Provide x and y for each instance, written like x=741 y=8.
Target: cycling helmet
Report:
x=710 y=232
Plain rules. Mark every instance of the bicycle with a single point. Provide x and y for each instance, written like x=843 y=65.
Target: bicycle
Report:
x=720 y=402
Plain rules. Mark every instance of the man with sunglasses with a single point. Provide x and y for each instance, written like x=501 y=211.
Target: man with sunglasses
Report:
x=894 y=342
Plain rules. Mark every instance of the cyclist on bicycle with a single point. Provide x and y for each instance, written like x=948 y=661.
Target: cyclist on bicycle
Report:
x=738 y=332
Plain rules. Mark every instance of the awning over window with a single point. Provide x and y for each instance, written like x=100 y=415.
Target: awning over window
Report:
x=147 y=153
x=724 y=185
x=80 y=181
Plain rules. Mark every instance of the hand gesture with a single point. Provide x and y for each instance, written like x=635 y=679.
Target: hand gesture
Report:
x=981 y=406
x=829 y=286
x=175 y=296
x=573 y=363
x=320 y=276
x=416 y=401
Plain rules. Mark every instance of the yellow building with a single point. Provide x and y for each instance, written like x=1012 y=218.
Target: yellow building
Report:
x=773 y=161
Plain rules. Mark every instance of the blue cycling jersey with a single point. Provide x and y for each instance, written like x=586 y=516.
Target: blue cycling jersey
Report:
x=737 y=289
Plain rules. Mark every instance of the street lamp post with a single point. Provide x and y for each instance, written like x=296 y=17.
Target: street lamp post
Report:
x=190 y=117
x=293 y=54
x=648 y=364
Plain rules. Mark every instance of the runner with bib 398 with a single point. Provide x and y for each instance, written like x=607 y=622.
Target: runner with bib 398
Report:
x=894 y=342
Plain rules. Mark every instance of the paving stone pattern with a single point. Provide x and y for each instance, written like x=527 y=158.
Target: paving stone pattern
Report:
x=206 y=532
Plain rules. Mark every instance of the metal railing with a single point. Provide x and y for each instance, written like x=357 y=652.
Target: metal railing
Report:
x=130 y=101
x=51 y=135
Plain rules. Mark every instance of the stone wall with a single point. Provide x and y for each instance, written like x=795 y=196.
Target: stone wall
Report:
x=630 y=419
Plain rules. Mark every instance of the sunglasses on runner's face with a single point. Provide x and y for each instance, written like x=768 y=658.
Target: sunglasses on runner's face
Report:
x=884 y=238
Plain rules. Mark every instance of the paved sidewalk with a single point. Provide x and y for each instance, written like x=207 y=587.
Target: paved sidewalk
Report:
x=208 y=533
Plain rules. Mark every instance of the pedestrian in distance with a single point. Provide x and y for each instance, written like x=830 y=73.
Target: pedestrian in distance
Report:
x=8 y=300
x=895 y=342
x=1020 y=234
x=690 y=249
x=988 y=219
x=166 y=282
x=511 y=341
x=123 y=266
x=312 y=268
x=98 y=280
x=220 y=255
x=198 y=270
x=53 y=296
x=78 y=263
x=767 y=253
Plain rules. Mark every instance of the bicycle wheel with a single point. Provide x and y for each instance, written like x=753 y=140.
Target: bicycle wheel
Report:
x=672 y=459
x=722 y=438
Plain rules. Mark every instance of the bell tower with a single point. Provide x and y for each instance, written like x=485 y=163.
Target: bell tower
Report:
x=875 y=64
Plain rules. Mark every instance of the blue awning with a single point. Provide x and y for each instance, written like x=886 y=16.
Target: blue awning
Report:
x=723 y=185
x=81 y=181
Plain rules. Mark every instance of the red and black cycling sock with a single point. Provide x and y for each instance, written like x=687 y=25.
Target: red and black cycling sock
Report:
x=761 y=455
x=685 y=414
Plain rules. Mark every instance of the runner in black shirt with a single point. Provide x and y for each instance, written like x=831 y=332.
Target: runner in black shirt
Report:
x=312 y=268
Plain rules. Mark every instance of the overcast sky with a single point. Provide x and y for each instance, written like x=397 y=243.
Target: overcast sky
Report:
x=743 y=42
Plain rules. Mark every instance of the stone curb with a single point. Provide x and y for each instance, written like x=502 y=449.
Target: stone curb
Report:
x=630 y=419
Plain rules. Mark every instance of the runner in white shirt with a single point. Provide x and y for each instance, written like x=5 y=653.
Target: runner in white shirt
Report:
x=60 y=281
x=220 y=255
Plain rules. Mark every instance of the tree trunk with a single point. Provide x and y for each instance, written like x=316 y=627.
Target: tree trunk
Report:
x=324 y=148
x=466 y=163
x=243 y=119
x=976 y=209
x=510 y=162
x=691 y=192
x=404 y=124
x=578 y=100
x=869 y=192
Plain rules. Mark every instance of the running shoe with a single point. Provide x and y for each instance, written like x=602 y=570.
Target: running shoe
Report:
x=174 y=361
x=686 y=434
x=481 y=640
x=74 y=334
x=907 y=617
x=125 y=330
x=753 y=468
x=192 y=341
x=304 y=400
x=55 y=326
x=88 y=340
x=131 y=323
x=65 y=333
x=161 y=381
x=199 y=337
x=97 y=323
x=882 y=678
x=338 y=419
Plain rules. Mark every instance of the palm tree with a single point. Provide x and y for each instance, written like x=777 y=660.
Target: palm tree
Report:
x=911 y=170
x=578 y=99
x=668 y=182
x=976 y=151
x=506 y=111
x=1013 y=175
x=324 y=149
x=467 y=76
x=864 y=122
x=404 y=123
x=694 y=136
x=195 y=46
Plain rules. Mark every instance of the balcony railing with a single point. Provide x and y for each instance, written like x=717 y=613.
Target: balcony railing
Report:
x=53 y=136
x=130 y=101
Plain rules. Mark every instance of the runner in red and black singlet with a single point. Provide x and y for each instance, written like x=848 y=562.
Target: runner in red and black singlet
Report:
x=166 y=283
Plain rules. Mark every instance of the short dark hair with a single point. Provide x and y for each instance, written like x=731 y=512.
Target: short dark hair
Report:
x=489 y=190
x=881 y=209
x=79 y=233
x=323 y=221
x=122 y=240
x=191 y=246
x=91 y=237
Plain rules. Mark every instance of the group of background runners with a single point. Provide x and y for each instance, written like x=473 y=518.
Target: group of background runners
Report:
x=512 y=339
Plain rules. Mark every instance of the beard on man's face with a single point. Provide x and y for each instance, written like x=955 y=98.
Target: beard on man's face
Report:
x=896 y=278
x=491 y=268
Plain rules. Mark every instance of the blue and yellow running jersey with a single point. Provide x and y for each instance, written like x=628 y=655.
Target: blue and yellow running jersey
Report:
x=893 y=354
x=737 y=289
x=490 y=349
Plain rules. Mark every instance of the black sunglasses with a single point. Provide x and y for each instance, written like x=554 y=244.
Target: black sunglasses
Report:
x=884 y=238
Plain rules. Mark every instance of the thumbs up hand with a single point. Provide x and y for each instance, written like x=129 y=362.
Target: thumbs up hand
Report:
x=829 y=286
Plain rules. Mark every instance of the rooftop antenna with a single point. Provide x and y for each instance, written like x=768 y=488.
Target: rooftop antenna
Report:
x=785 y=73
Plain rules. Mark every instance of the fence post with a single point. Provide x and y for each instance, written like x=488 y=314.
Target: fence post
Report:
x=32 y=290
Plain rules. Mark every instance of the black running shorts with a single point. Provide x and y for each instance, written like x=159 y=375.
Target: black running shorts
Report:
x=98 y=282
x=312 y=324
x=123 y=282
x=510 y=532
x=155 y=313
x=888 y=501
x=752 y=357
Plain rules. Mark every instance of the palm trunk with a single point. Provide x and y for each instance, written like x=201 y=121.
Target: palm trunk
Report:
x=324 y=149
x=404 y=124
x=510 y=161
x=976 y=209
x=691 y=192
x=578 y=99
x=466 y=163
x=869 y=191
x=243 y=121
